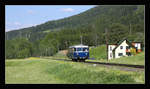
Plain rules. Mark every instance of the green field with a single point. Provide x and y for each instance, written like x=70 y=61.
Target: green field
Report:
x=138 y=59
x=48 y=71
x=99 y=54
x=45 y=70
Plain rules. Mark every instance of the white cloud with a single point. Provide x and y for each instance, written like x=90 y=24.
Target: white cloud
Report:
x=30 y=12
x=67 y=10
x=17 y=25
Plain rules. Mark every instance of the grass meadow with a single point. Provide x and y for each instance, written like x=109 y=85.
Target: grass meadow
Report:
x=48 y=71
x=98 y=52
x=45 y=70
x=138 y=59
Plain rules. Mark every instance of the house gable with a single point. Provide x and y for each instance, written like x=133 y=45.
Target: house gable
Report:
x=118 y=52
x=123 y=48
x=122 y=42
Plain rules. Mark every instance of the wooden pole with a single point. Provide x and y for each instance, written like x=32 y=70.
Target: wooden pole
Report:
x=81 y=39
x=130 y=29
x=106 y=38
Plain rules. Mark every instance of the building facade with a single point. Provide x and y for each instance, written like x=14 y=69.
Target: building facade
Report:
x=123 y=48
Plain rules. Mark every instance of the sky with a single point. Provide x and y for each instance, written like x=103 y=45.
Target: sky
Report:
x=22 y=16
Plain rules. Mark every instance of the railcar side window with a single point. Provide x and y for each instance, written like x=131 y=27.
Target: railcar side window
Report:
x=74 y=49
x=84 y=49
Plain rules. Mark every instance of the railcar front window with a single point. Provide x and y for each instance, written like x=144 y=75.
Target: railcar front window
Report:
x=85 y=49
x=79 y=49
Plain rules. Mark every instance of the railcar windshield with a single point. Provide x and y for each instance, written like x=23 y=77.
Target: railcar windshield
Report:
x=85 y=49
x=79 y=49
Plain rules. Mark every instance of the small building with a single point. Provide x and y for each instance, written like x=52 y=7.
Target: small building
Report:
x=123 y=48
x=138 y=46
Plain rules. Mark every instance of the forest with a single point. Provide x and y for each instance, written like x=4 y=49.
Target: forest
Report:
x=106 y=24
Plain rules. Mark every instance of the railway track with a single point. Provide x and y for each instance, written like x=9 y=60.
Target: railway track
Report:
x=126 y=67
x=116 y=64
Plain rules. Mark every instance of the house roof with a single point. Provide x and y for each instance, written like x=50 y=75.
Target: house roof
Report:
x=121 y=42
x=136 y=42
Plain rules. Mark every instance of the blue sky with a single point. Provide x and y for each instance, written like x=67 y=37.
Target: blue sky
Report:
x=21 y=16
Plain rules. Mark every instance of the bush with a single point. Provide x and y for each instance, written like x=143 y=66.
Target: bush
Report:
x=133 y=51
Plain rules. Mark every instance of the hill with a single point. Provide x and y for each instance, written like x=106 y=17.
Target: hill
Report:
x=99 y=25
x=100 y=15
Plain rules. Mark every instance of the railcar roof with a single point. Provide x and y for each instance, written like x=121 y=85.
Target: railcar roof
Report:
x=77 y=46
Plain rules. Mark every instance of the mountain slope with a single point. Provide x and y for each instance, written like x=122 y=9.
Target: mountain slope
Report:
x=81 y=20
x=98 y=26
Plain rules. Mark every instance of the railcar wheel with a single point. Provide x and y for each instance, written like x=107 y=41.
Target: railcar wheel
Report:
x=73 y=59
x=76 y=60
x=84 y=60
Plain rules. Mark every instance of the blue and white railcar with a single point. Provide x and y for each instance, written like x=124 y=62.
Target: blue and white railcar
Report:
x=78 y=52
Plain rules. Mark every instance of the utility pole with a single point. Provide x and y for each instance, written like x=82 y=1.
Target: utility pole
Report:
x=96 y=37
x=130 y=29
x=7 y=37
x=66 y=43
x=20 y=34
x=57 y=47
x=81 y=39
x=106 y=35
x=29 y=34
x=26 y=36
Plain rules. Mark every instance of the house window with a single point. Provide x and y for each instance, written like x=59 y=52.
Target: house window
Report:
x=120 y=54
x=127 y=47
x=121 y=47
x=110 y=54
x=110 y=48
x=128 y=53
x=136 y=47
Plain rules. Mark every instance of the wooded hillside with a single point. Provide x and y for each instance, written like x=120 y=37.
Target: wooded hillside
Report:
x=97 y=26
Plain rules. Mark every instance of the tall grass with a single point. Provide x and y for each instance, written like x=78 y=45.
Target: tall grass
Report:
x=98 y=52
x=61 y=72
x=138 y=59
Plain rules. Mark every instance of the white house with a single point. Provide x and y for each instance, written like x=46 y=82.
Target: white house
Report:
x=123 y=48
